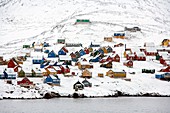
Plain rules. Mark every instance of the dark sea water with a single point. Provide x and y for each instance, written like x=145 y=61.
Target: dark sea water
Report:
x=88 y=105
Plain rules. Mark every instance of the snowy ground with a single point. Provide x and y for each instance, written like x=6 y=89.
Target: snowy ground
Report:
x=28 y=21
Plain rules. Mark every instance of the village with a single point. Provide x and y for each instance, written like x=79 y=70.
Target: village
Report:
x=66 y=68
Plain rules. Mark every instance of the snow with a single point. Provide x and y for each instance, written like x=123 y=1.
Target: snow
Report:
x=24 y=22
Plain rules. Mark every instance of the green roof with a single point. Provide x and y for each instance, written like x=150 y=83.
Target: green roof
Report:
x=82 y=20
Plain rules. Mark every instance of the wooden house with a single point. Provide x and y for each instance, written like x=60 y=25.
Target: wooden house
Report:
x=78 y=86
x=167 y=69
x=49 y=71
x=96 y=59
x=94 y=44
x=73 y=57
x=150 y=51
x=52 y=80
x=61 y=52
x=84 y=65
x=86 y=74
x=65 y=69
x=132 y=29
x=38 y=48
x=26 y=46
x=25 y=82
x=109 y=49
x=116 y=74
x=37 y=58
x=163 y=76
x=66 y=59
x=2 y=61
x=100 y=75
x=73 y=45
x=77 y=54
x=61 y=41
x=12 y=63
x=120 y=35
x=116 y=58
x=86 y=83
x=108 y=39
x=106 y=65
x=52 y=54
x=82 y=52
x=140 y=56
x=166 y=42
x=128 y=63
x=65 y=49
x=148 y=71
x=9 y=73
x=82 y=21
x=86 y=50
x=90 y=49
x=104 y=50
x=21 y=73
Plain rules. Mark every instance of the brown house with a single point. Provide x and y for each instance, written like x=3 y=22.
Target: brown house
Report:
x=106 y=65
x=84 y=65
x=108 y=39
x=86 y=74
x=116 y=74
x=116 y=58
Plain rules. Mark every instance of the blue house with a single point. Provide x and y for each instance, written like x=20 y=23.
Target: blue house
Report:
x=46 y=44
x=52 y=54
x=82 y=52
x=8 y=73
x=44 y=64
x=109 y=49
x=61 y=52
x=97 y=59
x=101 y=51
x=52 y=80
x=46 y=51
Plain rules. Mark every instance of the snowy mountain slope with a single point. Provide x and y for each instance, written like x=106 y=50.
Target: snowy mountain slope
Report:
x=24 y=21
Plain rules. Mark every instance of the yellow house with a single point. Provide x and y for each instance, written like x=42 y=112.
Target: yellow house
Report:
x=120 y=35
x=166 y=42
x=100 y=75
x=49 y=71
x=86 y=74
x=116 y=74
x=105 y=50
x=108 y=39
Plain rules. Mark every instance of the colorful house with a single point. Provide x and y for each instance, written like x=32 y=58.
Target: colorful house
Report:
x=52 y=54
x=84 y=65
x=26 y=46
x=61 y=41
x=116 y=58
x=82 y=52
x=120 y=35
x=74 y=57
x=82 y=21
x=52 y=80
x=109 y=49
x=128 y=63
x=21 y=73
x=167 y=69
x=150 y=51
x=86 y=83
x=106 y=65
x=38 y=48
x=94 y=44
x=61 y=52
x=86 y=50
x=66 y=59
x=9 y=73
x=108 y=39
x=25 y=82
x=96 y=59
x=86 y=74
x=166 y=42
x=78 y=86
x=100 y=75
x=116 y=74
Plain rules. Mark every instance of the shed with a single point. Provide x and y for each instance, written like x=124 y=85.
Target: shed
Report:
x=108 y=39
x=87 y=83
x=61 y=41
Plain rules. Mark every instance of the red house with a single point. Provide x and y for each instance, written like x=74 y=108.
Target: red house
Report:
x=128 y=63
x=65 y=69
x=12 y=63
x=116 y=58
x=109 y=59
x=25 y=82
x=64 y=49
x=140 y=56
x=130 y=56
x=150 y=51
x=86 y=50
x=166 y=69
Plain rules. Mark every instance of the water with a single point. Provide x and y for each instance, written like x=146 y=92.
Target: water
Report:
x=88 y=105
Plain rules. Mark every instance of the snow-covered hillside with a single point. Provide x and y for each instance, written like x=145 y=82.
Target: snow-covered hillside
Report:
x=25 y=21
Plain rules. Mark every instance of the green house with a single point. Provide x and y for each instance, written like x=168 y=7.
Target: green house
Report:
x=21 y=73
x=26 y=46
x=83 y=21
x=61 y=41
